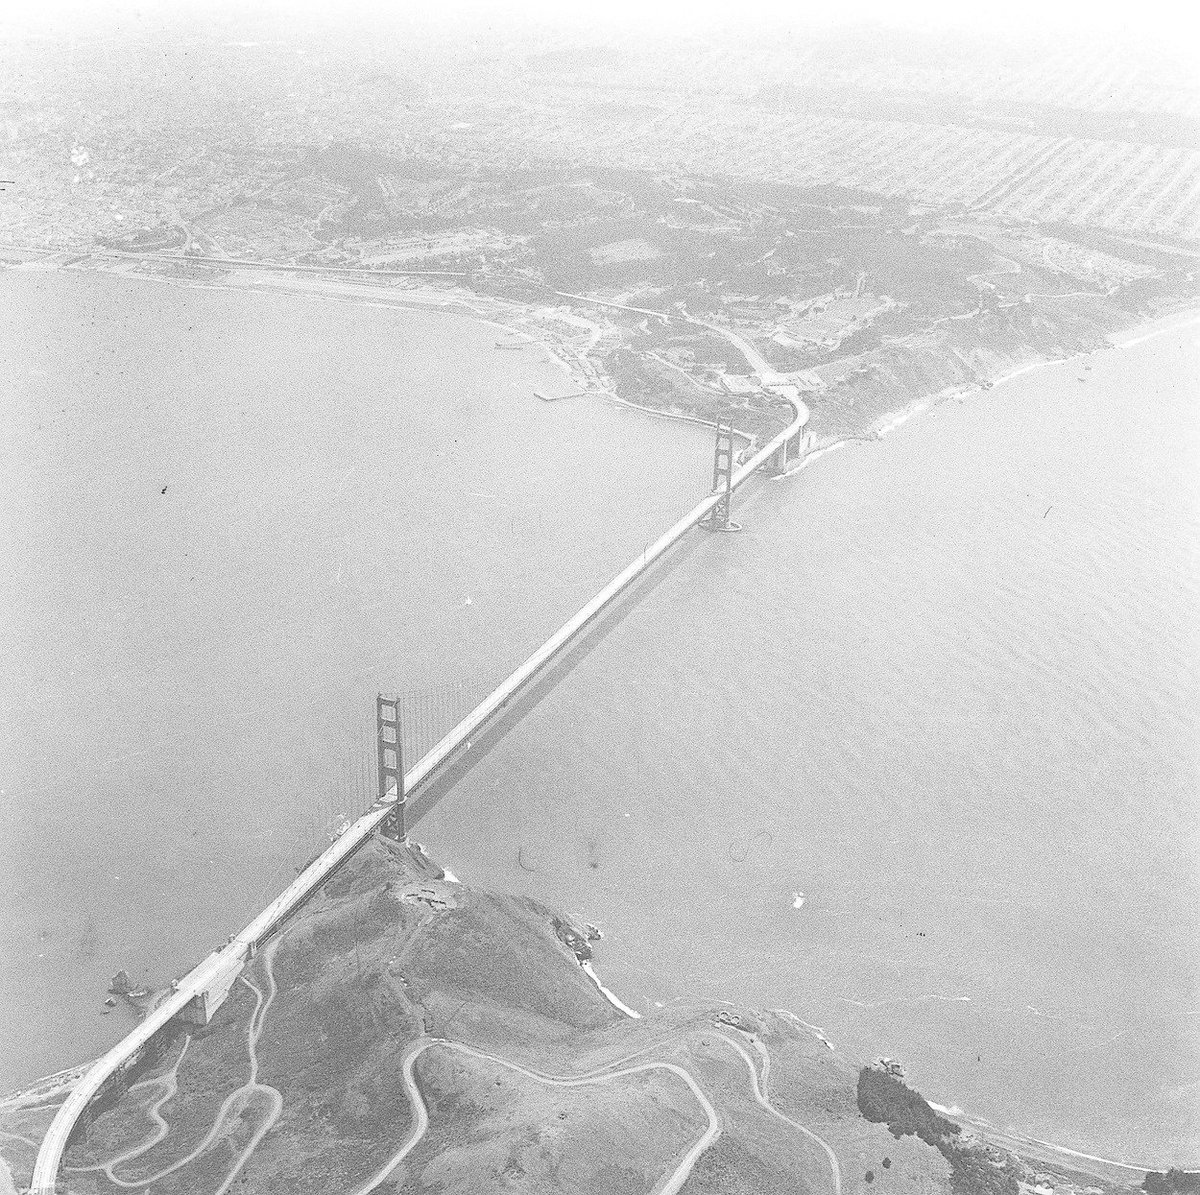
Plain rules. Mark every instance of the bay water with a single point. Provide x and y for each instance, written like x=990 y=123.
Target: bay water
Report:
x=228 y=520
x=913 y=756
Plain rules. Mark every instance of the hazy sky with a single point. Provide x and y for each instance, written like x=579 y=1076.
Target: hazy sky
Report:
x=1166 y=17
x=969 y=14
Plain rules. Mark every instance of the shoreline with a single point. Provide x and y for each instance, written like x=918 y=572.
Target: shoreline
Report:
x=46 y=1089
x=1139 y=333
x=580 y=370
x=888 y=422
x=52 y=1088
x=49 y=1090
x=513 y=319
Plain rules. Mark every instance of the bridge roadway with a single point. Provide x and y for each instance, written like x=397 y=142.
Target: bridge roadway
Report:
x=207 y=984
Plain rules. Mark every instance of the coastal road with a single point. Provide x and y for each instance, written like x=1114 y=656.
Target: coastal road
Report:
x=238 y=1100
x=670 y=1185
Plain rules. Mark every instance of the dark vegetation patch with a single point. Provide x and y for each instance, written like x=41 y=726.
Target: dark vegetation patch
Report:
x=975 y=1168
x=358 y=170
x=116 y=1130
x=207 y=1172
x=289 y=1166
x=497 y=953
x=1146 y=296
x=641 y=379
x=1173 y=1182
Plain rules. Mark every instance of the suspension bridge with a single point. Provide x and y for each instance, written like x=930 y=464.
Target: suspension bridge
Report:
x=402 y=730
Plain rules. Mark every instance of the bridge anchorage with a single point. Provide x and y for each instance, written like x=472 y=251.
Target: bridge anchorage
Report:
x=390 y=767
x=776 y=465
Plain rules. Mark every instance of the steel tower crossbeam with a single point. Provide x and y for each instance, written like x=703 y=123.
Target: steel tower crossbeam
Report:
x=390 y=764
x=722 y=484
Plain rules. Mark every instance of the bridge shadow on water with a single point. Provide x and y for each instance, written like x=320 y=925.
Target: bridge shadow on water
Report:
x=429 y=795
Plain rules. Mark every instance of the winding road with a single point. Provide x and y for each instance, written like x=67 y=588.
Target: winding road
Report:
x=761 y=1096
x=262 y=1007
x=757 y=362
x=670 y=1186
x=673 y=1183
x=238 y=1100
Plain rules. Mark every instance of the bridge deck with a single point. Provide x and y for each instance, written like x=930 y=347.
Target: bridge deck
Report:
x=205 y=986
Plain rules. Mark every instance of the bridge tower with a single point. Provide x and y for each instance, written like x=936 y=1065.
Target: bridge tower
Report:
x=719 y=519
x=390 y=761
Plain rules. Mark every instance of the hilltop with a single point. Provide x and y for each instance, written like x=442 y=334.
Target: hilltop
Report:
x=529 y=1077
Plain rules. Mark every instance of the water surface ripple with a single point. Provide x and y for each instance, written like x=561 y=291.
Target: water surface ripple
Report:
x=944 y=690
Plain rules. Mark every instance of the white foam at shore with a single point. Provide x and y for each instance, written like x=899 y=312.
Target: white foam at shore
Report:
x=890 y=423
x=809 y=457
x=1024 y=369
x=1124 y=341
x=611 y=997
